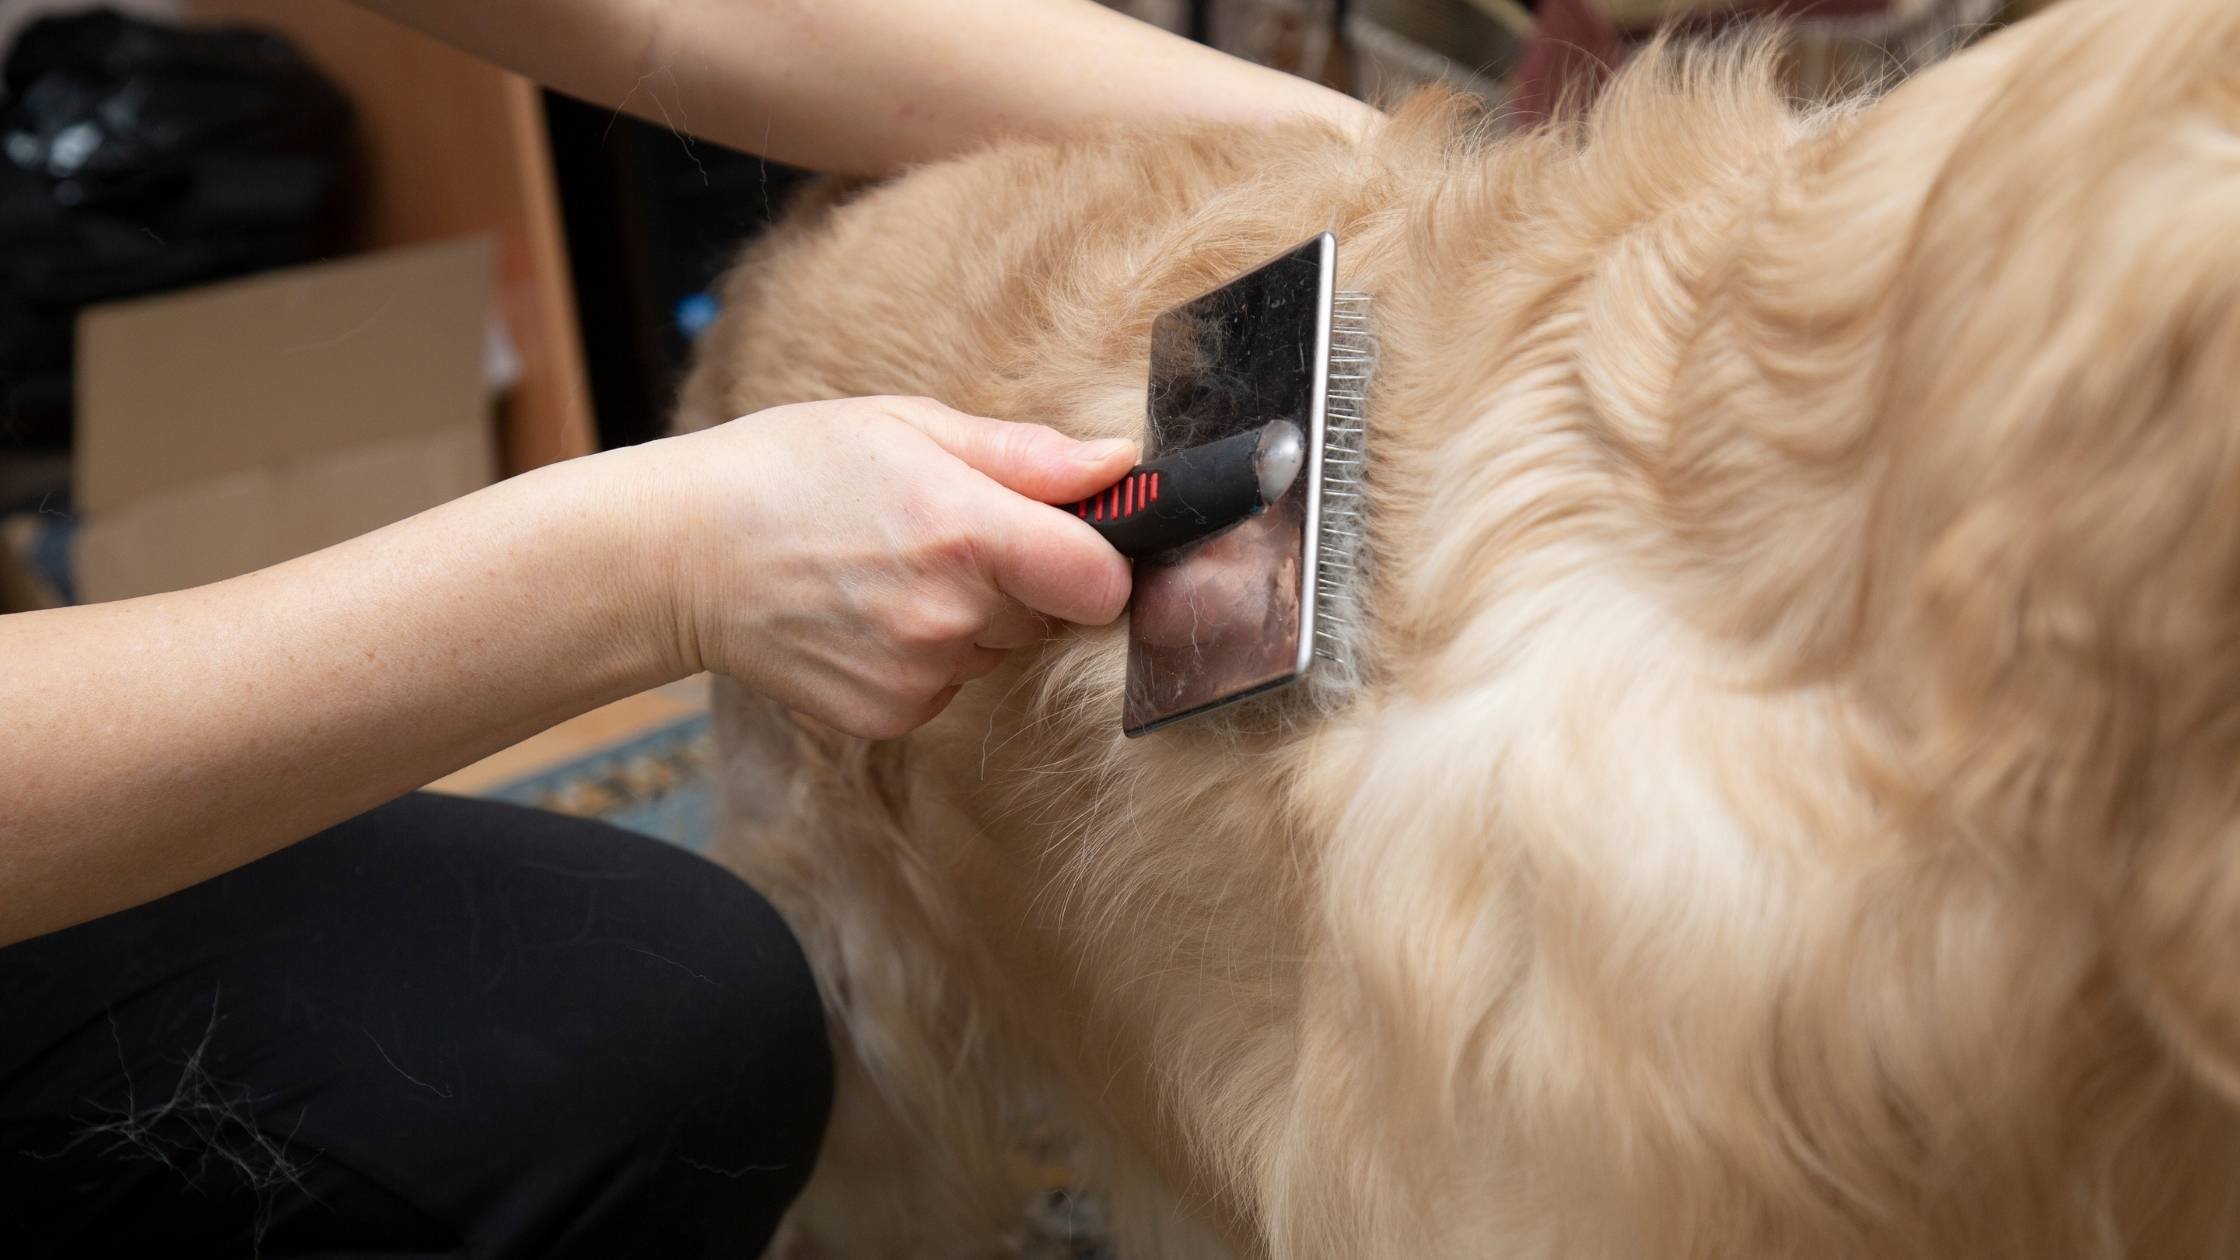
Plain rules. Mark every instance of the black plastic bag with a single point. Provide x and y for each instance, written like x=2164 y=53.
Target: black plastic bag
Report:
x=137 y=157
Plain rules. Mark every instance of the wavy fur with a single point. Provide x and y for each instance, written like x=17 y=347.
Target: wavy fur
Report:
x=1787 y=810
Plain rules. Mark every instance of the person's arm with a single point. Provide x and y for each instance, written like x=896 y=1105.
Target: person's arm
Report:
x=857 y=560
x=863 y=86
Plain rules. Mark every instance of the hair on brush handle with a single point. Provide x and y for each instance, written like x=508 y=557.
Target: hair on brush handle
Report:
x=1179 y=499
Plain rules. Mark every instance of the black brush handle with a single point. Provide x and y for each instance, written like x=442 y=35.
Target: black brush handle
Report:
x=1178 y=499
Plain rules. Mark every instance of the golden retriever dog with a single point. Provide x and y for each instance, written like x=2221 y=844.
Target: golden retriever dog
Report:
x=1788 y=806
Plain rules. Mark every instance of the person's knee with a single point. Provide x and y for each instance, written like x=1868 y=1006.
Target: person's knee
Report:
x=749 y=1034
x=669 y=1044
x=564 y=1038
x=732 y=1085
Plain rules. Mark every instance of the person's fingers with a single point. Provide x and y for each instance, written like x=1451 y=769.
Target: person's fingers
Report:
x=1030 y=459
x=979 y=663
x=868 y=714
x=1053 y=563
x=931 y=709
x=1013 y=626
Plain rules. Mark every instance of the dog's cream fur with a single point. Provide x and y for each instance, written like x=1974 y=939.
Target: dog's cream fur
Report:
x=1790 y=809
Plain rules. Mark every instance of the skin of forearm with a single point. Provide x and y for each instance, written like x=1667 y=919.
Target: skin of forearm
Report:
x=226 y=721
x=866 y=86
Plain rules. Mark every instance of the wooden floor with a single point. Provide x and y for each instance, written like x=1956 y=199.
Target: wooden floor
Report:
x=600 y=728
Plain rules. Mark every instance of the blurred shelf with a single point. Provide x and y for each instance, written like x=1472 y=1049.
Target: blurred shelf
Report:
x=454 y=146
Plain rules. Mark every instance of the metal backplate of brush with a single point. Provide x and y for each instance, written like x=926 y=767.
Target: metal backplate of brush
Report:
x=1245 y=517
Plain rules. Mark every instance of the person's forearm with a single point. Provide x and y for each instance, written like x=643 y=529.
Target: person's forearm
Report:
x=226 y=721
x=863 y=86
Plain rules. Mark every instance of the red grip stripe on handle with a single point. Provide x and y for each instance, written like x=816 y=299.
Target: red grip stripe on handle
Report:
x=1122 y=499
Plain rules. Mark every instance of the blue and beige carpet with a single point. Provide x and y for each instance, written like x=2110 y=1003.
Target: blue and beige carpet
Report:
x=659 y=783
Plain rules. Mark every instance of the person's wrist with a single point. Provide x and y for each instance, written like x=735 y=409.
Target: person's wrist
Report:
x=616 y=541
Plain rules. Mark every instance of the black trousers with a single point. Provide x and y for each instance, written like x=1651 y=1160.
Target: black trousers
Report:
x=445 y=1028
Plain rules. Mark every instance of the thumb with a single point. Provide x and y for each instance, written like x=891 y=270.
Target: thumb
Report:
x=1053 y=563
x=1030 y=459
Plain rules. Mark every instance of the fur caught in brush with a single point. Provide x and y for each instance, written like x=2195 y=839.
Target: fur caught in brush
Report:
x=1788 y=807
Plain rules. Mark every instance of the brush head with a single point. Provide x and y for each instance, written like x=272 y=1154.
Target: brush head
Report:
x=1242 y=612
x=1341 y=556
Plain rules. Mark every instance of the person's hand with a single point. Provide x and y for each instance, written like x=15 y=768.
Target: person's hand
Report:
x=861 y=559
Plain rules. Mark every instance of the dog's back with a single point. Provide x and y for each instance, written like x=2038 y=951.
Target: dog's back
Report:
x=1781 y=811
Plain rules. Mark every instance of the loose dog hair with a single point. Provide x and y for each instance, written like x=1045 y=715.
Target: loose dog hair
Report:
x=1788 y=805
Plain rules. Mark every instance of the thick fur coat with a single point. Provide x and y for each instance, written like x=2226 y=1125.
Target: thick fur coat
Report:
x=1788 y=808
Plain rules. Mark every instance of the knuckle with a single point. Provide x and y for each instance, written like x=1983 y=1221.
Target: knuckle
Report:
x=929 y=678
x=889 y=725
x=953 y=530
x=931 y=624
x=914 y=409
x=873 y=726
x=934 y=705
x=949 y=532
x=878 y=717
x=853 y=720
x=1018 y=443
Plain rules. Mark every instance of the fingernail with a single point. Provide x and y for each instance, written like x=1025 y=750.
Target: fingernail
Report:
x=1102 y=452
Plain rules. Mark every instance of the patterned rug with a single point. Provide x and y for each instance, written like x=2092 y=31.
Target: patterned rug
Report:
x=659 y=784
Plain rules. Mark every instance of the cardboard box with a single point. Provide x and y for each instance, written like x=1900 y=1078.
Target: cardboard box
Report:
x=234 y=426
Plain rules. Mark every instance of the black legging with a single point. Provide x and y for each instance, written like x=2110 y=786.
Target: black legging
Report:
x=447 y=1027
